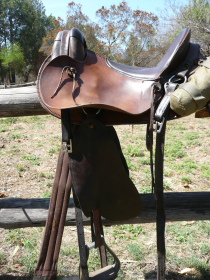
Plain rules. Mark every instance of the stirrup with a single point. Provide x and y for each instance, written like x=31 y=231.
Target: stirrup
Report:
x=108 y=272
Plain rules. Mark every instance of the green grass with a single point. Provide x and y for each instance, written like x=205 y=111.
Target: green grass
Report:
x=15 y=237
x=175 y=150
x=46 y=194
x=132 y=231
x=137 y=251
x=3 y=129
x=33 y=159
x=9 y=121
x=15 y=136
x=3 y=258
x=205 y=168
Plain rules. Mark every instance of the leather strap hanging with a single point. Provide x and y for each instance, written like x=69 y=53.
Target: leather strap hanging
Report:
x=47 y=265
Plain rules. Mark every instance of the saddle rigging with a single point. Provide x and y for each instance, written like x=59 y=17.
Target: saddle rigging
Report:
x=90 y=93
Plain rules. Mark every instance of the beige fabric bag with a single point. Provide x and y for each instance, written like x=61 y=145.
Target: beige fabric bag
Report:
x=195 y=94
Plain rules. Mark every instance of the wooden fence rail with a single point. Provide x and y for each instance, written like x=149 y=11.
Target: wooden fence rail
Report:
x=21 y=101
x=186 y=206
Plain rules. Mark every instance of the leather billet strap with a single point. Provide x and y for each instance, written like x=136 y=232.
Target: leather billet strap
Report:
x=160 y=205
x=47 y=265
x=66 y=130
x=157 y=170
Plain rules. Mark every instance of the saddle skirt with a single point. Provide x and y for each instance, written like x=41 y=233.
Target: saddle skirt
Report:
x=100 y=173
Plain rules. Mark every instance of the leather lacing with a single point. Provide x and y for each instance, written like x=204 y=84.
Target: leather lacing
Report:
x=71 y=71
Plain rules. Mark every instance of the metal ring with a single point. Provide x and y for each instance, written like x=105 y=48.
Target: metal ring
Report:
x=99 y=110
x=178 y=75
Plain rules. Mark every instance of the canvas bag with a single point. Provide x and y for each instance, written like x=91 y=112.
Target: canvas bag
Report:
x=193 y=95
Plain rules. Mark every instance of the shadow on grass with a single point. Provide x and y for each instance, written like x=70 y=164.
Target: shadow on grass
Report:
x=204 y=274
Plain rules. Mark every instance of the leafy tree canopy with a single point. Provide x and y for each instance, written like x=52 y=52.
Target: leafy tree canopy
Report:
x=111 y=35
x=24 y=23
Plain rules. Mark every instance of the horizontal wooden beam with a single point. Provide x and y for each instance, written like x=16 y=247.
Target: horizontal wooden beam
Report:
x=21 y=101
x=189 y=206
x=24 y=101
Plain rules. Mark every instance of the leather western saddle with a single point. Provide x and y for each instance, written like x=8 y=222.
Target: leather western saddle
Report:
x=90 y=93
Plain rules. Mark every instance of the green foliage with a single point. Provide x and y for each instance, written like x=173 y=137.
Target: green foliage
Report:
x=23 y=24
x=12 y=57
x=196 y=15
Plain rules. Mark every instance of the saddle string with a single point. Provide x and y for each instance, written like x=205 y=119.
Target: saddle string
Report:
x=71 y=71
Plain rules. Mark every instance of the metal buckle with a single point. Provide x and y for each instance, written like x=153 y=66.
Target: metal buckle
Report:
x=159 y=125
x=67 y=147
x=93 y=244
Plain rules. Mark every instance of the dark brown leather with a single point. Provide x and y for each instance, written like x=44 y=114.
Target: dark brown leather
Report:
x=100 y=174
x=69 y=42
x=97 y=85
x=103 y=84
x=47 y=265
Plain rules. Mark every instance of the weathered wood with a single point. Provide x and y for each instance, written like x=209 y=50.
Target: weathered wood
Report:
x=17 y=85
x=19 y=213
x=22 y=101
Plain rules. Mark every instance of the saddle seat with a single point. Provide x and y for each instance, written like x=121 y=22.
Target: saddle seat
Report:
x=170 y=61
